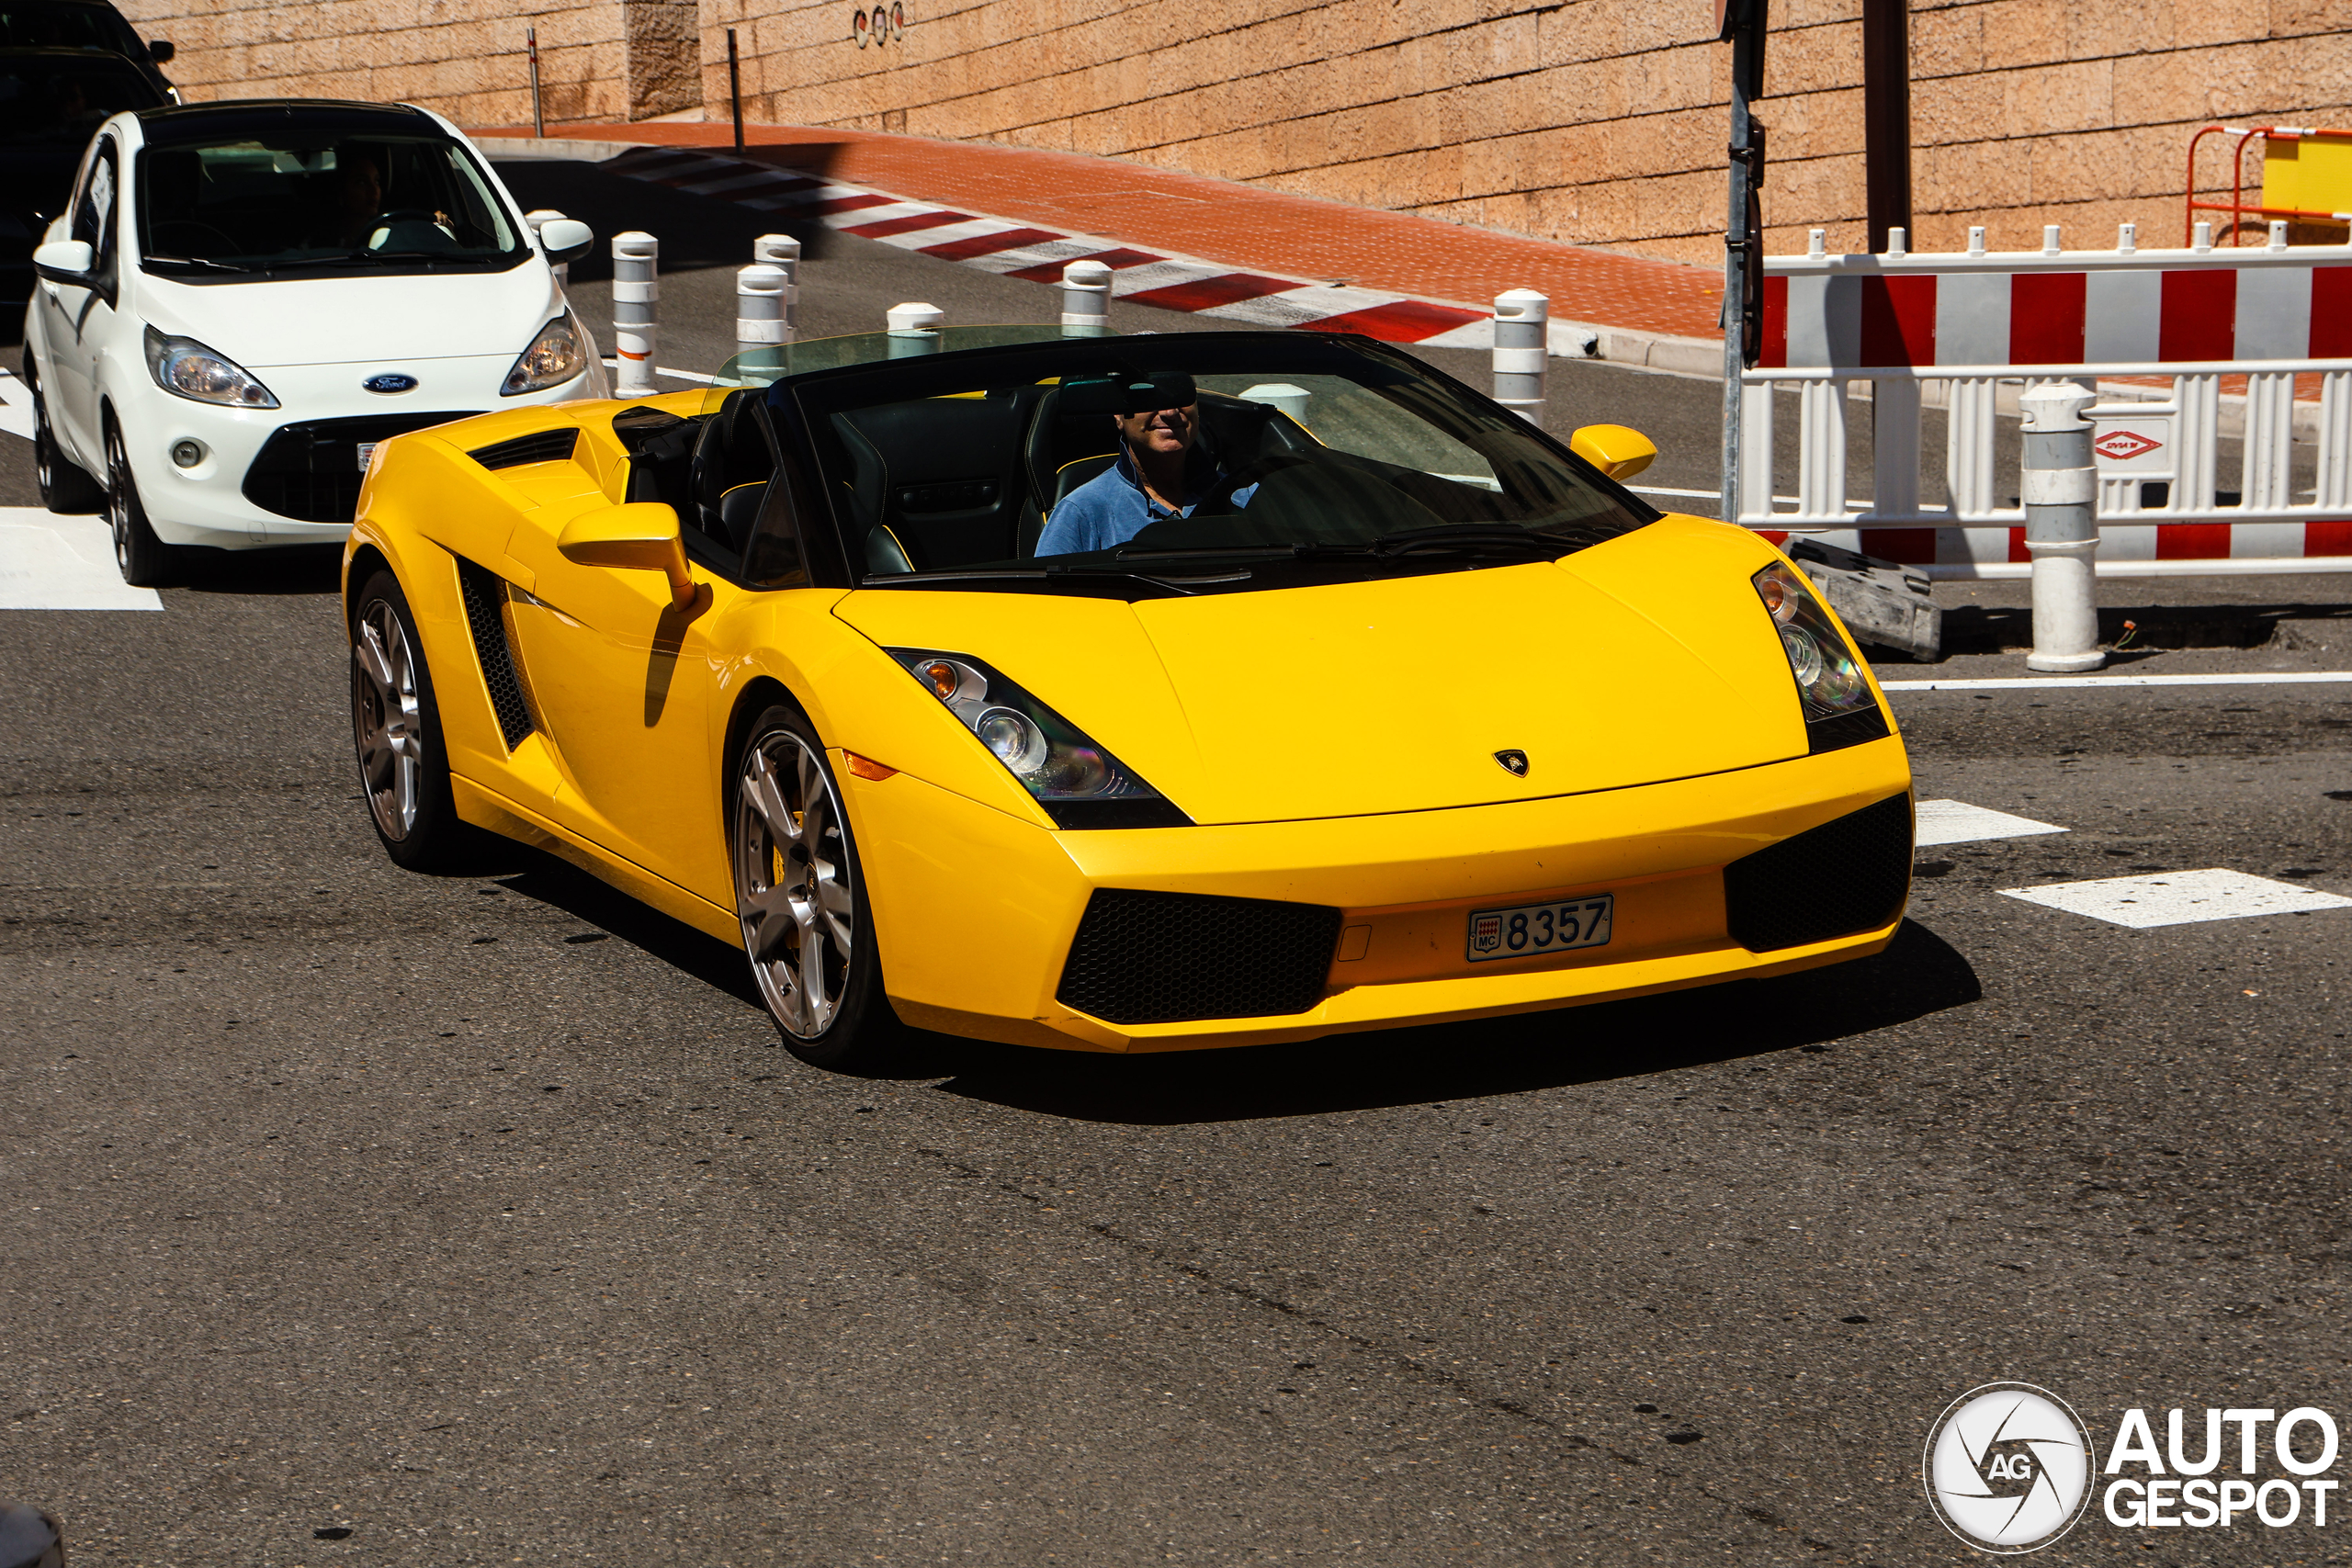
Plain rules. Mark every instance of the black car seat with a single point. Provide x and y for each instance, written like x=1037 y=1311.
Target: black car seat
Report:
x=733 y=462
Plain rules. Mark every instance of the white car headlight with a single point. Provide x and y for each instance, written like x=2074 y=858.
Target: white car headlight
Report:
x=185 y=368
x=558 y=354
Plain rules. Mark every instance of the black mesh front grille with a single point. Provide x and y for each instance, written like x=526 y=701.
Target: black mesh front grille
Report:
x=539 y=447
x=485 y=597
x=1849 y=874
x=1170 y=957
x=311 y=472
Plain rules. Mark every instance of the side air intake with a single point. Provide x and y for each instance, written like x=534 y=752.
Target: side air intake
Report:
x=1849 y=874
x=539 y=447
x=485 y=596
x=1170 y=957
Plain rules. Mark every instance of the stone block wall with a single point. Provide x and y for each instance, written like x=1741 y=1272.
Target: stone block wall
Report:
x=1597 y=121
x=599 y=60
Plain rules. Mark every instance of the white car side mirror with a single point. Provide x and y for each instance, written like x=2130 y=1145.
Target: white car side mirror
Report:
x=64 y=261
x=565 y=238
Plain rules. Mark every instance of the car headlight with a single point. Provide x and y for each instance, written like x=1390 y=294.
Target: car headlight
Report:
x=1078 y=782
x=185 y=368
x=555 y=356
x=1828 y=680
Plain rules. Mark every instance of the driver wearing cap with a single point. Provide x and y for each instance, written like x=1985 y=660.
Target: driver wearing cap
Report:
x=1161 y=472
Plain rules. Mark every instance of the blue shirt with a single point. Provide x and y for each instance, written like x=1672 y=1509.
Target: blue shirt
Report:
x=1111 y=508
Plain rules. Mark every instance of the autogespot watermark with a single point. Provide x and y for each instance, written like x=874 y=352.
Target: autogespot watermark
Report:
x=2010 y=1468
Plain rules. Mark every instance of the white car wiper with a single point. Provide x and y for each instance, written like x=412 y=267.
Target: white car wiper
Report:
x=195 y=261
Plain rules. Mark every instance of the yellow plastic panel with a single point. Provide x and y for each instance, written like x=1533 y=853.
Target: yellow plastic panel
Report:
x=2311 y=175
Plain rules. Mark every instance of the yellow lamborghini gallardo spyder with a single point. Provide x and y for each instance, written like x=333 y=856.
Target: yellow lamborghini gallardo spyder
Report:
x=1123 y=693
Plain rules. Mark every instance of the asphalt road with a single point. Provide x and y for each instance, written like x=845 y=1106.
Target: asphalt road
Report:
x=363 y=1216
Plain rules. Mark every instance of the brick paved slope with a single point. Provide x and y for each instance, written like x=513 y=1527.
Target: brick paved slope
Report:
x=1239 y=225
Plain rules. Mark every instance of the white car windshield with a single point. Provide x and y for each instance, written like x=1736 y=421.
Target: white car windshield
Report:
x=312 y=204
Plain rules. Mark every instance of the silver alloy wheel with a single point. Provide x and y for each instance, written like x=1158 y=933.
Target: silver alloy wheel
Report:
x=44 y=444
x=116 y=504
x=386 y=722
x=792 y=882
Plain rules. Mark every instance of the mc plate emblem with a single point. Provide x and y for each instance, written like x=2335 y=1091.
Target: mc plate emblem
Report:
x=2122 y=446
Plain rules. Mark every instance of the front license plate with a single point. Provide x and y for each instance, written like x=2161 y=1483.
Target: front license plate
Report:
x=1525 y=928
x=367 y=450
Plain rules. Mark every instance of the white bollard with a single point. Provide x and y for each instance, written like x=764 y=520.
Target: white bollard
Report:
x=637 y=287
x=784 y=251
x=1086 y=299
x=2061 y=485
x=1522 y=320
x=759 y=330
x=539 y=220
x=914 y=329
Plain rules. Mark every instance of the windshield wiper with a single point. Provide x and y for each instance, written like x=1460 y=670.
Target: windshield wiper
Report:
x=197 y=261
x=1448 y=538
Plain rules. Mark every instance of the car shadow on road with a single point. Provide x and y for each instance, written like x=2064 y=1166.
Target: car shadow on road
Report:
x=1917 y=975
x=556 y=883
x=289 y=570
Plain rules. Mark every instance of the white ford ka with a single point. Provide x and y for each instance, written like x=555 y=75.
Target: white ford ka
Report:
x=243 y=298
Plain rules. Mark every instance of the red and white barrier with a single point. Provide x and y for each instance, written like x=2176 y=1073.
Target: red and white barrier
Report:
x=1974 y=320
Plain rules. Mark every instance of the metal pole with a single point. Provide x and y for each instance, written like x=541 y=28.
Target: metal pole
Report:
x=1886 y=117
x=914 y=329
x=637 y=287
x=531 y=45
x=1086 y=299
x=735 y=87
x=2061 y=485
x=1522 y=323
x=783 y=251
x=759 y=329
x=1744 y=20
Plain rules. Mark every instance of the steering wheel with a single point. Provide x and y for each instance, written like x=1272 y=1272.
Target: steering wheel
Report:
x=1220 y=495
x=198 y=225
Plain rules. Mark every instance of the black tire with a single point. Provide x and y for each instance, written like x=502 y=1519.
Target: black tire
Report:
x=145 y=560
x=799 y=885
x=396 y=735
x=65 y=485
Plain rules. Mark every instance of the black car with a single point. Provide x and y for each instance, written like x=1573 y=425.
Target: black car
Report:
x=83 y=24
x=51 y=102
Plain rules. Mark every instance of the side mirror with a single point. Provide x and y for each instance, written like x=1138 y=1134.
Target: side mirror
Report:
x=160 y=50
x=65 y=261
x=640 y=535
x=1615 y=450
x=565 y=238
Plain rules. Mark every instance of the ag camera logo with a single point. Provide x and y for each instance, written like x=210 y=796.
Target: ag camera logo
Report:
x=2009 y=1467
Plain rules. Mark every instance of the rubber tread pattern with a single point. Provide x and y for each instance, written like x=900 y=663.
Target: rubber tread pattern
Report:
x=539 y=447
x=1849 y=874
x=485 y=596
x=1175 y=957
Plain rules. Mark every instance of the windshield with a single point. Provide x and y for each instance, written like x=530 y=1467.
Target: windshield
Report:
x=319 y=204
x=59 y=101
x=1171 y=461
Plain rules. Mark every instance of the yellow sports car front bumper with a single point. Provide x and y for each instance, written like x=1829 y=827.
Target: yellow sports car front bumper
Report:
x=975 y=910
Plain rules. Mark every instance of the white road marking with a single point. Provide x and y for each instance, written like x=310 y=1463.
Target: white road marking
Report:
x=2178 y=897
x=2032 y=682
x=1957 y=822
x=15 y=406
x=48 y=562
